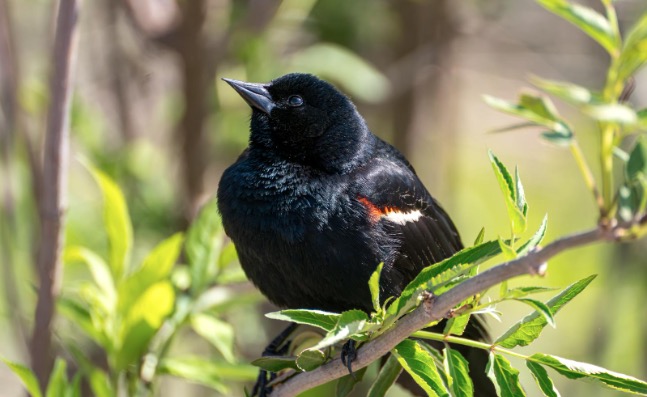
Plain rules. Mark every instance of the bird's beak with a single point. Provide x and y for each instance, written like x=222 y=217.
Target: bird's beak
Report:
x=256 y=95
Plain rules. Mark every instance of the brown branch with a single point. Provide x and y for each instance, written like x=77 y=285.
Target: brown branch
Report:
x=436 y=308
x=53 y=184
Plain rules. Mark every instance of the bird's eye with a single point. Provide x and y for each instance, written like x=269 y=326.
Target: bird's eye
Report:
x=295 y=101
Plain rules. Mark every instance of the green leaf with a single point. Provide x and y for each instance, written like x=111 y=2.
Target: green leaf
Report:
x=276 y=363
x=457 y=368
x=100 y=384
x=96 y=265
x=360 y=79
x=374 y=286
x=58 y=385
x=143 y=319
x=117 y=222
x=471 y=255
x=346 y=384
x=529 y=328
x=612 y=113
x=541 y=308
x=81 y=316
x=504 y=376
x=539 y=105
x=558 y=138
x=387 y=376
x=634 y=52
x=316 y=318
x=456 y=325
x=543 y=380
x=419 y=363
x=577 y=370
x=569 y=92
x=520 y=292
x=310 y=359
x=536 y=239
x=26 y=376
x=508 y=251
x=626 y=204
x=511 y=196
x=588 y=20
x=521 y=195
x=155 y=267
x=479 y=238
x=349 y=324
x=637 y=163
x=203 y=247
x=543 y=112
x=207 y=372
x=219 y=333
x=74 y=387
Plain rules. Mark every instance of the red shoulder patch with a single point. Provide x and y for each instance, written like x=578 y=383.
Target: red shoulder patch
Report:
x=374 y=213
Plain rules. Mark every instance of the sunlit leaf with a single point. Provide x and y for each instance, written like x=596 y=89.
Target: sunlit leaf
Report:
x=457 y=368
x=26 y=376
x=219 y=333
x=80 y=316
x=387 y=376
x=419 y=363
x=634 y=52
x=543 y=380
x=349 y=324
x=637 y=163
x=504 y=376
x=100 y=384
x=539 y=105
x=578 y=370
x=57 y=386
x=316 y=318
x=117 y=223
x=204 y=242
x=541 y=308
x=374 y=286
x=612 y=113
x=98 y=269
x=525 y=113
x=536 y=239
x=511 y=196
x=479 y=238
x=529 y=328
x=567 y=91
x=508 y=251
x=520 y=292
x=588 y=20
x=456 y=325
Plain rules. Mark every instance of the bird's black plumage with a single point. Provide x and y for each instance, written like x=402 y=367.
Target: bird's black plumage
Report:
x=317 y=201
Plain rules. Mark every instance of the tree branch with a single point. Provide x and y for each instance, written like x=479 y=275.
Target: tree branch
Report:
x=53 y=184
x=435 y=308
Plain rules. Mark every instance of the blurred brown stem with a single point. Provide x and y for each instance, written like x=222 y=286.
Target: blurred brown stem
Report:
x=55 y=154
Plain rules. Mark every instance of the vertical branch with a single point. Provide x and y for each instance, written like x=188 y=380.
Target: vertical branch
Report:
x=55 y=154
x=8 y=222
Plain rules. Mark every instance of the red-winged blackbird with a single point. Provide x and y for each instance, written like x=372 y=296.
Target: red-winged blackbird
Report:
x=317 y=201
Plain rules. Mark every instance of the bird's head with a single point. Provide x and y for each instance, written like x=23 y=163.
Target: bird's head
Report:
x=306 y=120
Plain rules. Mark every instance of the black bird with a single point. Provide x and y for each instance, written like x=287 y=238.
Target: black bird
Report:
x=317 y=201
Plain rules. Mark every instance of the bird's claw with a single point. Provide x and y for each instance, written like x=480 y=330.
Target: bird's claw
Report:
x=348 y=355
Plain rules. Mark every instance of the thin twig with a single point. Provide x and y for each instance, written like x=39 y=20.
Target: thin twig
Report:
x=53 y=186
x=435 y=308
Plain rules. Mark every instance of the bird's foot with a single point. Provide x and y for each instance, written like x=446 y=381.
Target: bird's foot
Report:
x=348 y=355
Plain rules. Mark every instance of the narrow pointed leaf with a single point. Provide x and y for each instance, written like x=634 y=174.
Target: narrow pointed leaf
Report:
x=540 y=307
x=577 y=370
x=374 y=286
x=510 y=194
x=349 y=324
x=203 y=246
x=637 y=163
x=567 y=91
x=634 y=53
x=419 y=363
x=505 y=377
x=57 y=385
x=543 y=380
x=508 y=251
x=540 y=105
x=529 y=328
x=219 y=333
x=276 y=363
x=536 y=239
x=612 y=113
x=26 y=376
x=479 y=238
x=588 y=20
x=520 y=292
x=117 y=223
x=316 y=318
x=387 y=376
x=458 y=369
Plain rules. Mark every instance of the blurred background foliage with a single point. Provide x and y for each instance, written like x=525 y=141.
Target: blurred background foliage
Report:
x=150 y=110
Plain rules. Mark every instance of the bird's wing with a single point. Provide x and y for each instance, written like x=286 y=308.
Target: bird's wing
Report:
x=396 y=200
